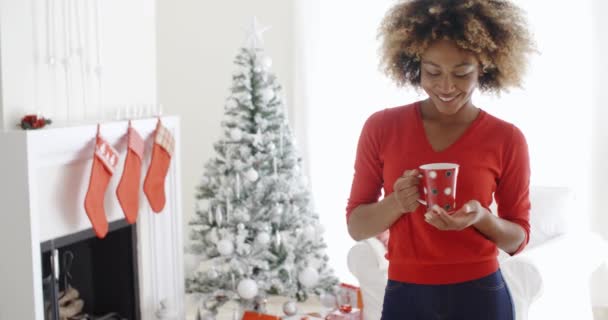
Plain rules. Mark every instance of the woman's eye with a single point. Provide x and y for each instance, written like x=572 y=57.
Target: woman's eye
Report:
x=463 y=75
x=432 y=74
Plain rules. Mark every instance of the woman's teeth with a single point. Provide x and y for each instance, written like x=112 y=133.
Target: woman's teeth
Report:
x=446 y=99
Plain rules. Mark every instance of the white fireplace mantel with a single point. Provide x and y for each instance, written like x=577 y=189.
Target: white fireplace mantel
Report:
x=44 y=176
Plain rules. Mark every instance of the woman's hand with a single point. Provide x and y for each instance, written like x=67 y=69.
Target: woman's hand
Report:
x=405 y=191
x=470 y=213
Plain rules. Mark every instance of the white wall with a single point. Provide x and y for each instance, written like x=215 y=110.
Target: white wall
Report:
x=32 y=31
x=197 y=42
x=600 y=144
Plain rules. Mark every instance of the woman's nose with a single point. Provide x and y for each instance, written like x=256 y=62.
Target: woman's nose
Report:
x=446 y=85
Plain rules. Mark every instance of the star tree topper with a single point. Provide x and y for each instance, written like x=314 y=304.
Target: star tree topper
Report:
x=254 y=34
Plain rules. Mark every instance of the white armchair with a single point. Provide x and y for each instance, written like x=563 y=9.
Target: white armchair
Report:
x=548 y=280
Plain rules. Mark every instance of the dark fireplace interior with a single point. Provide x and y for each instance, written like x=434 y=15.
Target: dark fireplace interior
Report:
x=103 y=271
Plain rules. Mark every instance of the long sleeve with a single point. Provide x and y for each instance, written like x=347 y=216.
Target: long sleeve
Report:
x=513 y=187
x=367 y=181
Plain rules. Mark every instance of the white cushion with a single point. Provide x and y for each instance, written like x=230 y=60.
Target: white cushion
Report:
x=549 y=209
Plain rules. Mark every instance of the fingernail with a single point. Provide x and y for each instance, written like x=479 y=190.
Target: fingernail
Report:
x=427 y=216
x=467 y=208
x=436 y=207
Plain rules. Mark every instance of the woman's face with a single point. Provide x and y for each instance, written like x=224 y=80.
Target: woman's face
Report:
x=449 y=76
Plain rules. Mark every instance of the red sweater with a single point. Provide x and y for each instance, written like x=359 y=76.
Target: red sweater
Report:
x=493 y=158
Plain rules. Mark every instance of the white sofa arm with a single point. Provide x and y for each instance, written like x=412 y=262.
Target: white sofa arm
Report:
x=563 y=266
x=367 y=263
x=367 y=255
x=524 y=281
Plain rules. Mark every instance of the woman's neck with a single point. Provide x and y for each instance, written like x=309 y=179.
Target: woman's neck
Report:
x=466 y=114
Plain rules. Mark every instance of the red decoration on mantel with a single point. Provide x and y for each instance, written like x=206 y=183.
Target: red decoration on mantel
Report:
x=32 y=121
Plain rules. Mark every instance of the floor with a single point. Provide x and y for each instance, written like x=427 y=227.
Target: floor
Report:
x=600 y=313
x=274 y=307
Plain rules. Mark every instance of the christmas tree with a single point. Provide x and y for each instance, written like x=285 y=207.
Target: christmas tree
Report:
x=255 y=227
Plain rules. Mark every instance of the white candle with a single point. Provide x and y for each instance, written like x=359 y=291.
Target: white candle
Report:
x=278 y=238
x=210 y=215
x=233 y=281
x=238 y=186
x=227 y=209
x=218 y=216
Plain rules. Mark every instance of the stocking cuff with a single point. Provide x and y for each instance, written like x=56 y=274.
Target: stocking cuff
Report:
x=165 y=139
x=107 y=154
x=136 y=143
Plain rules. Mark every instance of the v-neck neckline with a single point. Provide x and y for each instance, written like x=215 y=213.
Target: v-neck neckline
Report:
x=458 y=141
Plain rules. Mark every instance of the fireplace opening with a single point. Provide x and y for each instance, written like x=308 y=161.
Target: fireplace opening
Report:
x=100 y=275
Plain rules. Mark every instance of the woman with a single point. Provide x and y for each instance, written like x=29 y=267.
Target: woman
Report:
x=444 y=265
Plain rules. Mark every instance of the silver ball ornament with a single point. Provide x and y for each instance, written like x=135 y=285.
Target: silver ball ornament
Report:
x=247 y=289
x=252 y=175
x=212 y=274
x=328 y=300
x=290 y=308
x=263 y=238
x=308 y=277
x=225 y=247
x=236 y=134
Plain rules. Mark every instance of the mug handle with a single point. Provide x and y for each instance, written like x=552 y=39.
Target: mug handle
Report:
x=422 y=201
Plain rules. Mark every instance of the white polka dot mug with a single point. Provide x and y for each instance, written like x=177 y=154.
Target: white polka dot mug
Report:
x=438 y=185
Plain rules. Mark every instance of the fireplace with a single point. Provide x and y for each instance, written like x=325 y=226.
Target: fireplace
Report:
x=99 y=274
x=136 y=271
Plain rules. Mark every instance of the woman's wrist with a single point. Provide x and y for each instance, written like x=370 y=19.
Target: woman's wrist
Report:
x=393 y=206
x=484 y=220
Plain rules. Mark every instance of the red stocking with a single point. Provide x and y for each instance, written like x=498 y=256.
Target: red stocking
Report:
x=128 y=187
x=154 y=184
x=105 y=159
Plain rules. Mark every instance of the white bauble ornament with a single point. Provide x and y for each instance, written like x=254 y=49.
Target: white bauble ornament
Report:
x=308 y=277
x=278 y=210
x=236 y=134
x=225 y=247
x=290 y=308
x=212 y=274
x=328 y=300
x=267 y=62
x=252 y=175
x=309 y=232
x=240 y=226
x=231 y=104
x=263 y=238
x=267 y=94
x=247 y=289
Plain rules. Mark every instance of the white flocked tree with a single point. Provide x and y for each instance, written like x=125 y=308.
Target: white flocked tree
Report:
x=255 y=228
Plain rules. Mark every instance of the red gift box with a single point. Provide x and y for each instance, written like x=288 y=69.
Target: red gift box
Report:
x=354 y=292
x=354 y=314
x=250 y=315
